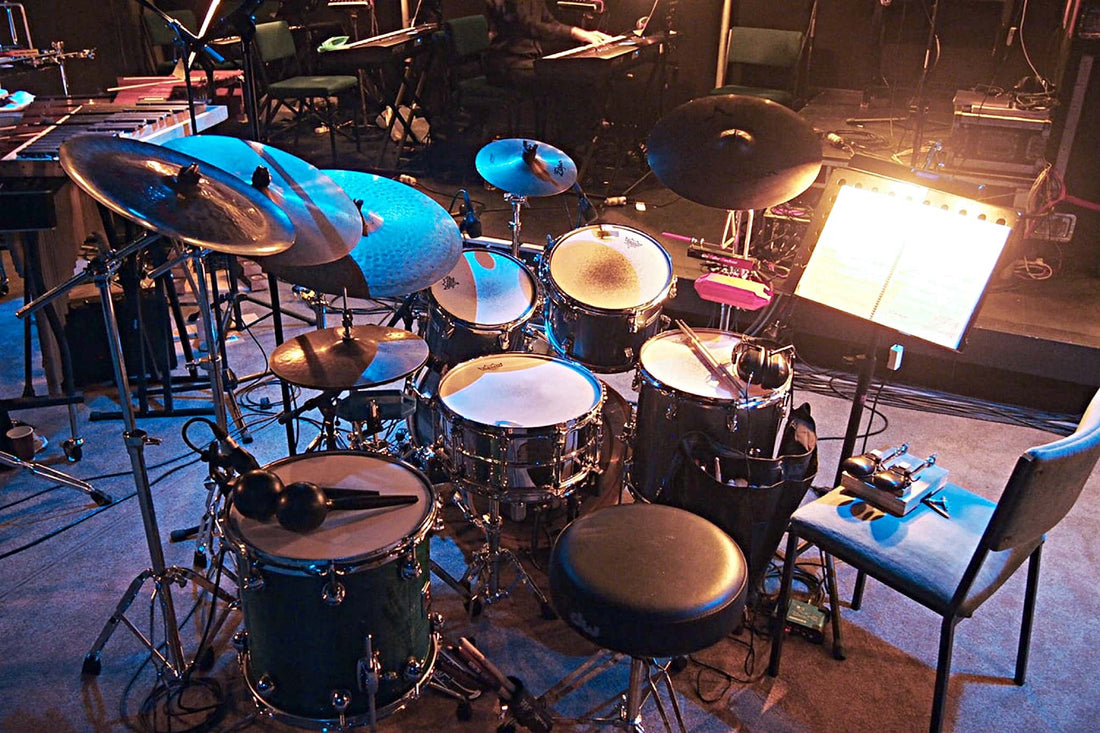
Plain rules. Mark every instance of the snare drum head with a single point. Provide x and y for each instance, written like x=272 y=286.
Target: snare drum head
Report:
x=520 y=391
x=669 y=359
x=345 y=535
x=486 y=288
x=610 y=267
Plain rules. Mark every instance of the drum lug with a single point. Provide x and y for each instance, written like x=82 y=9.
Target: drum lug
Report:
x=637 y=321
x=265 y=685
x=414 y=669
x=436 y=622
x=731 y=421
x=240 y=641
x=410 y=568
x=333 y=592
x=567 y=346
x=340 y=700
x=628 y=352
x=636 y=384
x=252 y=583
x=368 y=668
x=672 y=289
x=504 y=340
x=670 y=413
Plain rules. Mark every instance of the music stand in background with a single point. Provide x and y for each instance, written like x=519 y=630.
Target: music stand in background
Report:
x=904 y=257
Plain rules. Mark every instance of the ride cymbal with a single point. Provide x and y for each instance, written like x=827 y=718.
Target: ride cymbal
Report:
x=327 y=224
x=411 y=242
x=734 y=152
x=526 y=167
x=176 y=195
x=361 y=356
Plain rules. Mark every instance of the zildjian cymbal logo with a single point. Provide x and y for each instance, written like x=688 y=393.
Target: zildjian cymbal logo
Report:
x=559 y=169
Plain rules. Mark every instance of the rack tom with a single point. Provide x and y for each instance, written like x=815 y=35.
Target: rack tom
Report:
x=606 y=285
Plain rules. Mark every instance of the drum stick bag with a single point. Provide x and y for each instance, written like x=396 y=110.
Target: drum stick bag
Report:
x=750 y=497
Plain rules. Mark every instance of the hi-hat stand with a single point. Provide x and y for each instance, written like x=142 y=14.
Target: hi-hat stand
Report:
x=163 y=577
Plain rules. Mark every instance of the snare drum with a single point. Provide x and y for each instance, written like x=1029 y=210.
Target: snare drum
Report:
x=520 y=427
x=606 y=285
x=480 y=307
x=312 y=602
x=677 y=394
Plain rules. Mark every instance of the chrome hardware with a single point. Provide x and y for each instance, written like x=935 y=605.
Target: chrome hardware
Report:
x=340 y=699
x=240 y=640
x=670 y=412
x=731 y=421
x=333 y=592
x=414 y=668
x=265 y=685
x=410 y=567
x=436 y=622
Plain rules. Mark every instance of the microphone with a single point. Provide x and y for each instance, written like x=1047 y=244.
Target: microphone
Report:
x=230 y=454
x=586 y=213
x=470 y=225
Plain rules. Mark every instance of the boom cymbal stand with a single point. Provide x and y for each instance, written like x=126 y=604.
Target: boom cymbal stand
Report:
x=101 y=270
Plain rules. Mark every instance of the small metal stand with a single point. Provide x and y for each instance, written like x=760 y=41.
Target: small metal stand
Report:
x=480 y=584
x=516 y=202
x=101 y=270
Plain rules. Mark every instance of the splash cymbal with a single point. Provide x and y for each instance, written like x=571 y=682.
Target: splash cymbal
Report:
x=411 y=242
x=339 y=359
x=176 y=195
x=326 y=222
x=526 y=167
x=734 y=152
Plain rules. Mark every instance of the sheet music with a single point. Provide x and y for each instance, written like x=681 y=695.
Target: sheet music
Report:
x=922 y=276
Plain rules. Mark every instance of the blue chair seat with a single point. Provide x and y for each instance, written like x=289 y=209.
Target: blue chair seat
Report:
x=311 y=86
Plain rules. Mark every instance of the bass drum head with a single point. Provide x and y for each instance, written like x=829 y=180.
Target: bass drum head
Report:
x=519 y=391
x=486 y=288
x=610 y=267
x=346 y=537
x=669 y=359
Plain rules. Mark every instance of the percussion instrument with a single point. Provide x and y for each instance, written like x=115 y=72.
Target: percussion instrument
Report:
x=410 y=242
x=678 y=394
x=606 y=285
x=330 y=612
x=526 y=167
x=348 y=356
x=327 y=224
x=520 y=427
x=734 y=152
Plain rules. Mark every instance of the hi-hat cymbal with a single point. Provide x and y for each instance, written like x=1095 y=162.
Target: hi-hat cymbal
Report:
x=176 y=195
x=526 y=167
x=734 y=152
x=326 y=222
x=411 y=242
x=369 y=355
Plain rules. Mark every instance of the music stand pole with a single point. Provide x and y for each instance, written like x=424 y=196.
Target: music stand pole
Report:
x=863 y=383
x=918 y=130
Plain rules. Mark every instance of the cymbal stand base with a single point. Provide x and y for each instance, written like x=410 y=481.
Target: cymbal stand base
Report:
x=481 y=582
x=39 y=469
x=516 y=202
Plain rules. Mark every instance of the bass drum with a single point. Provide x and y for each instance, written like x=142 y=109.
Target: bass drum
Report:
x=677 y=394
x=313 y=602
x=480 y=307
x=520 y=427
x=606 y=286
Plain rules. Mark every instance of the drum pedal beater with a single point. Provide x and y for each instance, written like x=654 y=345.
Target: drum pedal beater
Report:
x=101 y=270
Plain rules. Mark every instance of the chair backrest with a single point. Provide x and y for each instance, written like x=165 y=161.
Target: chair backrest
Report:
x=467 y=36
x=159 y=32
x=274 y=41
x=764 y=47
x=1045 y=484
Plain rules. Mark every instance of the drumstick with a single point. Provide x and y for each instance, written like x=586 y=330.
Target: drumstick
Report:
x=478 y=658
x=719 y=370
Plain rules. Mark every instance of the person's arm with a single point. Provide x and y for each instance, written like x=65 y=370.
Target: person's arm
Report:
x=541 y=24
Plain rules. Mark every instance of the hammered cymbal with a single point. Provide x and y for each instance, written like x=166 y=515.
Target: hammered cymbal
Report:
x=370 y=355
x=734 y=152
x=176 y=195
x=526 y=167
x=327 y=223
x=411 y=242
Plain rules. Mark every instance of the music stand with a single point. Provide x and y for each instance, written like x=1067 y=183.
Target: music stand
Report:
x=904 y=257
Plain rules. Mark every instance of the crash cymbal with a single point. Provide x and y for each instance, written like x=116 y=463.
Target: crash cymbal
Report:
x=411 y=242
x=326 y=222
x=176 y=195
x=526 y=167
x=734 y=152
x=368 y=355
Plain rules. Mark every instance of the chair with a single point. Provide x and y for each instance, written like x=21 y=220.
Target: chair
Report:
x=768 y=55
x=307 y=97
x=950 y=565
x=645 y=581
x=466 y=40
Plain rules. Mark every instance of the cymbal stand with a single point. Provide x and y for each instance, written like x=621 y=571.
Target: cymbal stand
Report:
x=101 y=270
x=38 y=469
x=516 y=202
x=732 y=236
x=481 y=581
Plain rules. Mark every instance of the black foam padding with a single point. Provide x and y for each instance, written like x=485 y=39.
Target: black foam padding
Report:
x=648 y=580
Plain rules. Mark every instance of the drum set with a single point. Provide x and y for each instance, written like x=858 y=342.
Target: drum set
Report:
x=500 y=396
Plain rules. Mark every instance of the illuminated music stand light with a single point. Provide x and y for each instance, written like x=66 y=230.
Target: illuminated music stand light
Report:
x=906 y=258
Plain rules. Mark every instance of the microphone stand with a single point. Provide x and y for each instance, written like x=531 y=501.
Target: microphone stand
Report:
x=918 y=130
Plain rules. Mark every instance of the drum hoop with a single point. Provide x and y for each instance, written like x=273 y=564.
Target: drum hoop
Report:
x=752 y=403
x=266 y=708
x=352 y=563
x=565 y=301
x=554 y=288
x=436 y=306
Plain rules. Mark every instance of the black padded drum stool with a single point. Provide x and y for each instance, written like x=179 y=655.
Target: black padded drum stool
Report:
x=645 y=581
